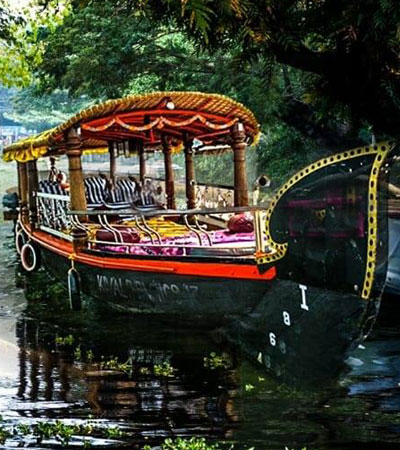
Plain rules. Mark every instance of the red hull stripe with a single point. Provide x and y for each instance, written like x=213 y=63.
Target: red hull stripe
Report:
x=200 y=269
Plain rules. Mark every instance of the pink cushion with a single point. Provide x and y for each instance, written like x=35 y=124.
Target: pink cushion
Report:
x=240 y=223
x=127 y=236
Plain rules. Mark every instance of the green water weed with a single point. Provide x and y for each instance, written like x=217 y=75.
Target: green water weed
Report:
x=113 y=363
x=215 y=361
x=114 y=433
x=4 y=435
x=65 y=341
x=164 y=370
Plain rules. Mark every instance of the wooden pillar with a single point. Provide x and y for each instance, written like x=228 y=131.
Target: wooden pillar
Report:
x=169 y=174
x=113 y=162
x=77 y=187
x=33 y=186
x=189 y=173
x=239 y=158
x=23 y=191
x=142 y=163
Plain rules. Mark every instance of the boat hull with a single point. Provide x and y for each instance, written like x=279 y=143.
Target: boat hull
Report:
x=301 y=334
x=137 y=291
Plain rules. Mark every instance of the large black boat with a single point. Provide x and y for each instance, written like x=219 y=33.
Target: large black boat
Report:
x=297 y=282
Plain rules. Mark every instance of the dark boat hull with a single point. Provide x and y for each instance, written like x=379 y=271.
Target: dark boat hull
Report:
x=301 y=332
x=295 y=331
x=162 y=293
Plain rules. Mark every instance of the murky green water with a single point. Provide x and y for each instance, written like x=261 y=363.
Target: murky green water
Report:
x=43 y=379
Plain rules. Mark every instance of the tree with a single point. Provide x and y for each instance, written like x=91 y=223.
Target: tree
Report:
x=351 y=46
x=41 y=112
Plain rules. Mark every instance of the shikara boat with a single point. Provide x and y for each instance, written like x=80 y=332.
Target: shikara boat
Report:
x=296 y=282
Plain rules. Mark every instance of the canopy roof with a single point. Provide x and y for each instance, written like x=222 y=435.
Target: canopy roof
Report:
x=145 y=118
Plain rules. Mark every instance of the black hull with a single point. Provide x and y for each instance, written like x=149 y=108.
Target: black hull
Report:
x=157 y=293
x=303 y=333
x=294 y=331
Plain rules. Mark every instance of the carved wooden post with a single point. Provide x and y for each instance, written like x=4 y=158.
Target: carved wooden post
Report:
x=142 y=163
x=169 y=174
x=77 y=187
x=239 y=157
x=190 y=177
x=33 y=186
x=23 y=191
x=113 y=162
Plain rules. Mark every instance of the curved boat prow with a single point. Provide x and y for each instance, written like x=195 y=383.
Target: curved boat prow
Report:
x=328 y=228
x=328 y=223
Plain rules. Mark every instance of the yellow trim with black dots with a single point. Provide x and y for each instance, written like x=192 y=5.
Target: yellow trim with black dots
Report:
x=381 y=151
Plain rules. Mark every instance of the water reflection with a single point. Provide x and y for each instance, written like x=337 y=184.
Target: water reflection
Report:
x=42 y=380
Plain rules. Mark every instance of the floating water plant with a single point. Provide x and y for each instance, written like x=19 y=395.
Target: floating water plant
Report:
x=114 y=433
x=164 y=370
x=65 y=341
x=115 y=364
x=89 y=356
x=215 y=361
x=191 y=444
x=4 y=435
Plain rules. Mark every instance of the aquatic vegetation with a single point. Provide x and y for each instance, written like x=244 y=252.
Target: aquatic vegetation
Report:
x=114 y=432
x=249 y=387
x=89 y=356
x=115 y=364
x=65 y=341
x=57 y=430
x=23 y=429
x=191 y=444
x=78 y=353
x=164 y=370
x=4 y=435
x=144 y=371
x=215 y=361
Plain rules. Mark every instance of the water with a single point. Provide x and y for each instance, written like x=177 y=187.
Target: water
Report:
x=42 y=380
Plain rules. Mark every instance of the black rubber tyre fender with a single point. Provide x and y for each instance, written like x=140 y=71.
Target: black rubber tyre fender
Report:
x=74 y=289
x=30 y=257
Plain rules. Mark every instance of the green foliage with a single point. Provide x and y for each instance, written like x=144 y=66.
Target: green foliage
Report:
x=4 y=435
x=193 y=443
x=215 y=361
x=164 y=370
x=113 y=363
x=65 y=341
x=353 y=51
x=78 y=353
x=114 y=433
x=187 y=444
x=43 y=111
x=57 y=430
x=89 y=356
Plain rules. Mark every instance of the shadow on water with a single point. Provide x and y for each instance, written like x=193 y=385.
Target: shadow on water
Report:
x=55 y=365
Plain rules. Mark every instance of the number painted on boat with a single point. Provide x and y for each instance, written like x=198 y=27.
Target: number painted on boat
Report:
x=303 y=304
x=152 y=290
x=272 y=339
x=286 y=318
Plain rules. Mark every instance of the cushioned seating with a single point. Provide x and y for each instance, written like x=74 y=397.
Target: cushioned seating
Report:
x=125 y=190
x=51 y=187
x=240 y=223
x=98 y=195
x=118 y=235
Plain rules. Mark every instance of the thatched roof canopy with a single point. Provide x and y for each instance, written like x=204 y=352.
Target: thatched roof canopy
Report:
x=144 y=119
